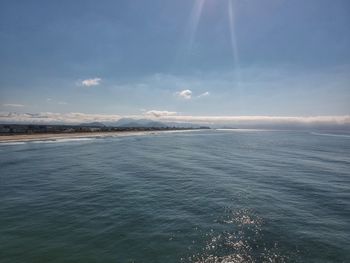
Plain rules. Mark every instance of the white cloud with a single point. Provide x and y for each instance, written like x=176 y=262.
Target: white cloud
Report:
x=264 y=121
x=91 y=82
x=158 y=113
x=184 y=94
x=187 y=94
x=13 y=105
x=62 y=103
x=51 y=117
x=204 y=94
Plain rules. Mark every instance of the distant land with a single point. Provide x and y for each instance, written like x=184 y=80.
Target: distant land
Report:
x=121 y=125
x=137 y=123
x=340 y=123
x=123 y=122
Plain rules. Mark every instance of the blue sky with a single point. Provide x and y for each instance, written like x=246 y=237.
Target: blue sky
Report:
x=183 y=57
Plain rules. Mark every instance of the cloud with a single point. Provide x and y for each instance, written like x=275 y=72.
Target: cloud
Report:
x=91 y=82
x=12 y=105
x=309 y=119
x=187 y=94
x=283 y=122
x=204 y=94
x=184 y=94
x=158 y=113
x=56 y=118
x=62 y=103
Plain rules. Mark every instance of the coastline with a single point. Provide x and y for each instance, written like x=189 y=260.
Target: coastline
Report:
x=59 y=136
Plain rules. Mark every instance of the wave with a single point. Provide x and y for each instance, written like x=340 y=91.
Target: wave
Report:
x=64 y=140
x=331 y=135
x=47 y=141
x=242 y=130
x=11 y=143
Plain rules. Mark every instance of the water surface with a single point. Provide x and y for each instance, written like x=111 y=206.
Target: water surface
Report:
x=210 y=196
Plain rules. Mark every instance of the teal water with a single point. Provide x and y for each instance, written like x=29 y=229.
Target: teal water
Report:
x=208 y=196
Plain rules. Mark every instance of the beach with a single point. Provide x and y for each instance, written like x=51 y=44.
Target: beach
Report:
x=60 y=136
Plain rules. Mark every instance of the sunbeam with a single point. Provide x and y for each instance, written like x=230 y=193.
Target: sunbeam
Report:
x=193 y=24
x=234 y=46
x=186 y=48
x=233 y=33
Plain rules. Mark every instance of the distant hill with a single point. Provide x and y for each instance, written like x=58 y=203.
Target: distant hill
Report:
x=147 y=123
x=136 y=123
x=92 y=124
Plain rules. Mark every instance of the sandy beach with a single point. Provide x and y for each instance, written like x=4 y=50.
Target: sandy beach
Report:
x=60 y=136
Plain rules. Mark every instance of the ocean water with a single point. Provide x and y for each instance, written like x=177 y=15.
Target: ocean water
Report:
x=207 y=196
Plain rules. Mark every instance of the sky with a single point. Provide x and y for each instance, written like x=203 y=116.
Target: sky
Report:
x=180 y=60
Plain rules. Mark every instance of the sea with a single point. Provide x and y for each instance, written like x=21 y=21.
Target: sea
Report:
x=197 y=196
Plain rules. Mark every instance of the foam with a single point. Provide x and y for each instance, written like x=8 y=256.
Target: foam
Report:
x=11 y=143
x=63 y=140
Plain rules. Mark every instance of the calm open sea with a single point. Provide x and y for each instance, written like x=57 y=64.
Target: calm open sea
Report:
x=204 y=196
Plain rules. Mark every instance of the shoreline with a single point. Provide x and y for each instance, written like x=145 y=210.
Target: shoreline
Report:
x=59 y=136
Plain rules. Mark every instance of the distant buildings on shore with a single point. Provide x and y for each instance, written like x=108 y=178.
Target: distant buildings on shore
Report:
x=8 y=129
